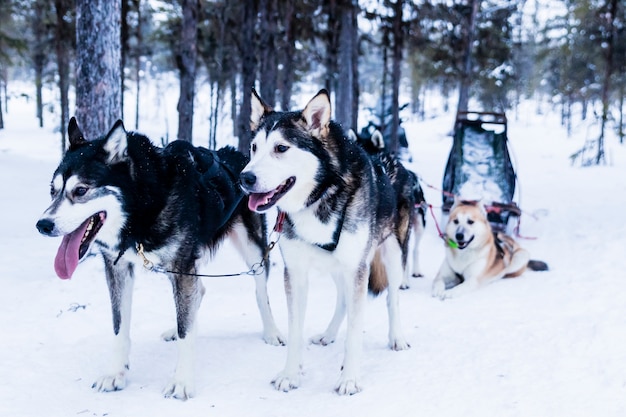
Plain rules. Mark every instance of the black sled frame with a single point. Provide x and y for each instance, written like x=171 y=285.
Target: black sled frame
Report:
x=479 y=167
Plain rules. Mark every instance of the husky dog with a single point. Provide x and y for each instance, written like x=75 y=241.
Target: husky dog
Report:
x=475 y=255
x=339 y=215
x=128 y=198
x=409 y=193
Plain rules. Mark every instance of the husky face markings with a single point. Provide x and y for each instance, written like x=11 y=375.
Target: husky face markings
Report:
x=80 y=212
x=339 y=216
x=463 y=227
x=476 y=256
x=291 y=184
x=178 y=202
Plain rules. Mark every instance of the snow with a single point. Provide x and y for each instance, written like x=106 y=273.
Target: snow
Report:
x=545 y=344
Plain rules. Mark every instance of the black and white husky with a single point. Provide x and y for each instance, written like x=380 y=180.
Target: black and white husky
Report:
x=171 y=205
x=339 y=216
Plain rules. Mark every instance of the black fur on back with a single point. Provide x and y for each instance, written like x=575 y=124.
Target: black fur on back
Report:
x=177 y=192
x=405 y=181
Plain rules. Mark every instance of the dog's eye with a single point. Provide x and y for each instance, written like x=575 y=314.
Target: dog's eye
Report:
x=281 y=148
x=80 y=191
x=470 y=221
x=455 y=221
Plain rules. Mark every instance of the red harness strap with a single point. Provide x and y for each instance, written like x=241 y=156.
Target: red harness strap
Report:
x=432 y=212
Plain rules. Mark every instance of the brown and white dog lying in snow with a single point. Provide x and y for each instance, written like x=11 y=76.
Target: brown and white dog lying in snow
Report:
x=475 y=255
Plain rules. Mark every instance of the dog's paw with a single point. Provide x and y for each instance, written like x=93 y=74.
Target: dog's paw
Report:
x=404 y=285
x=417 y=274
x=179 y=390
x=398 y=343
x=323 y=339
x=274 y=338
x=439 y=289
x=170 y=335
x=286 y=381
x=108 y=383
x=347 y=386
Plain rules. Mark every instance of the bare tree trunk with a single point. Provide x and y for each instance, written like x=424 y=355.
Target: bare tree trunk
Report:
x=398 y=42
x=355 y=66
x=39 y=53
x=621 y=113
x=39 y=88
x=383 y=88
x=215 y=106
x=332 y=43
x=268 y=65
x=98 y=89
x=289 y=50
x=138 y=63
x=568 y=114
x=606 y=84
x=233 y=105
x=344 y=97
x=248 y=72
x=466 y=75
x=124 y=35
x=1 y=111
x=186 y=62
x=63 y=36
x=5 y=77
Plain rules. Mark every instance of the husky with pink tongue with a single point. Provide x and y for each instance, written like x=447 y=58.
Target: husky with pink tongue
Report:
x=126 y=198
x=340 y=217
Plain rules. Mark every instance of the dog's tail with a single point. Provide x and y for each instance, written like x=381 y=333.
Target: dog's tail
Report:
x=378 y=281
x=535 y=265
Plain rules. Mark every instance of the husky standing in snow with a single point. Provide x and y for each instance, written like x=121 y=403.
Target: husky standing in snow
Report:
x=339 y=215
x=134 y=201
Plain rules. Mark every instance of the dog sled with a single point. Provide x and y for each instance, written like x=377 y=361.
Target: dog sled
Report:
x=479 y=167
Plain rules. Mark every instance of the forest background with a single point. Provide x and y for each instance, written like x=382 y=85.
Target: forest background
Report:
x=376 y=57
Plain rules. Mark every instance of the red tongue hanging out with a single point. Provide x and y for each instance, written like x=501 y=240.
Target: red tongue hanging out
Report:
x=75 y=245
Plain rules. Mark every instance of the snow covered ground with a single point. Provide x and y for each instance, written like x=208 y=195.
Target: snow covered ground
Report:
x=546 y=344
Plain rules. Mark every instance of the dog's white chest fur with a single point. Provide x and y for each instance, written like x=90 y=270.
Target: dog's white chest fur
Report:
x=308 y=227
x=467 y=261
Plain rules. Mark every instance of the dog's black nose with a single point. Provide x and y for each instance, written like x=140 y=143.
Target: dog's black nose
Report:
x=248 y=179
x=45 y=226
x=459 y=237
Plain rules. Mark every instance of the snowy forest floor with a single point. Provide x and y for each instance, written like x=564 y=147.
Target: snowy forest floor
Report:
x=545 y=344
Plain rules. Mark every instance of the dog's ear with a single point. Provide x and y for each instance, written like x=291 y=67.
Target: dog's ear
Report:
x=317 y=114
x=74 y=134
x=377 y=140
x=258 y=109
x=116 y=143
x=352 y=136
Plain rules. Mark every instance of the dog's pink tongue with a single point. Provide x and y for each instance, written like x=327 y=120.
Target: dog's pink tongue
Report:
x=256 y=200
x=66 y=260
